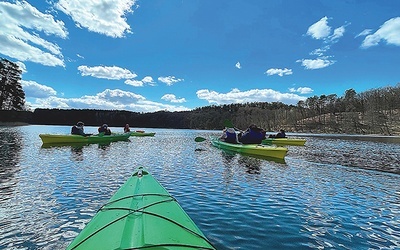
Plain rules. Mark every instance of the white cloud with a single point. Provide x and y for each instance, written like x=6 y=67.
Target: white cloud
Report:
x=22 y=67
x=140 y=83
x=105 y=72
x=301 y=90
x=33 y=89
x=169 y=80
x=388 y=32
x=20 y=27
x=320 y=29
x=107 y=100
x=364 y=32
x=254 y=95
x=134 y=83
x=237 y=65
x=318 y=63
x=106 y=17
x=337 y=33
x=279 y=72
x=172 y=98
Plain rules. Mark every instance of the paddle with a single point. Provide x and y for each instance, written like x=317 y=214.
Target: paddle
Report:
x=229 y=124
x=199 y=139
x=267 y=141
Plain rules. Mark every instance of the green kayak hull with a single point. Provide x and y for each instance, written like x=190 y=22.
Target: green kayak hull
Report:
x=141 y=215
x=252 y=149
x=135 y=133
x=284 y=141
x=54 y=138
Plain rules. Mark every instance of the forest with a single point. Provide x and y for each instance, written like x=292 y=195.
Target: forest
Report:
x=376 y=111
x=372 y=112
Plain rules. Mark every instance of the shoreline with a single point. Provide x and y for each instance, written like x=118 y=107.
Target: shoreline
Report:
x=12 y=124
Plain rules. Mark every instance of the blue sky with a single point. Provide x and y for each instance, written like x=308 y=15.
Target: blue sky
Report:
x=175 y=55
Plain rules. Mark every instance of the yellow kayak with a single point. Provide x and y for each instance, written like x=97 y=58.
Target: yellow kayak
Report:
x=251 y=149
x=284 y=141
x=55 y=138
x=141 y=133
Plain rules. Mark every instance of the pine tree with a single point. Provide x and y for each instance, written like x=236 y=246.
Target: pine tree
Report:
x=12 y=96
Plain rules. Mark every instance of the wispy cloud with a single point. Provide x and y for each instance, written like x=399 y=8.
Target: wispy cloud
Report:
x=238 y=66
x=169 y=80
x=22 y=67
x=254 y=95
x=106 y=17
x=172 y=98
x=388 y=32
x=364 y=32
x=21 y=29
x=106 y=72
x=140 y=83
x=322 y=31
x=301 y=90
x=279 y=72
x=318 y=63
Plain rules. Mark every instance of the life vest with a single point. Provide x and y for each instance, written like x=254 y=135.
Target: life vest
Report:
x=76 y=131
x=252 y=137
x=230 y=135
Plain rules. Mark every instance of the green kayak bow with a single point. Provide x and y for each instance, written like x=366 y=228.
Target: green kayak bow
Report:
x=141 y=215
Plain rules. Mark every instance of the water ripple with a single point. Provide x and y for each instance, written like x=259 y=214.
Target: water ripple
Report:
x=320 y=197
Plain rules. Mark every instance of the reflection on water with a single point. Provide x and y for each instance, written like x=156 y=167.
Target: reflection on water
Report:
x=318 y=198
x=10 y=151
x=358 y=153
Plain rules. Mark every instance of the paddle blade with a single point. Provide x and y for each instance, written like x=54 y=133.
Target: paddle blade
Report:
x=199 y=139
x=228 y=124
x=267 y=142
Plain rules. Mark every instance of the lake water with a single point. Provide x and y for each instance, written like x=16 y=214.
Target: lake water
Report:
x=333 y=193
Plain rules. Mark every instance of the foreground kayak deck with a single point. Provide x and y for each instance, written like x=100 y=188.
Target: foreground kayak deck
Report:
x=141 y=215
x=252 y=149
x=53 y=138
x=284 y=141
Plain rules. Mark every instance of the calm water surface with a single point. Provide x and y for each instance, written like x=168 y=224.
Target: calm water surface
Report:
x=333 y=193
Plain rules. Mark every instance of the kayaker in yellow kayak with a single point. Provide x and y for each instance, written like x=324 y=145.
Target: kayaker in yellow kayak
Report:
x=281 y=134
x=252 y=135
x=78 y=129
x=229 y=135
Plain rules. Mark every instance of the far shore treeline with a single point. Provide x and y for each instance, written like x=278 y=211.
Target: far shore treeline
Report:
x=373 y=112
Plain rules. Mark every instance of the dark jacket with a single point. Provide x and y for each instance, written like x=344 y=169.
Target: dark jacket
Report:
x=252 y=136
x=105 y=130
x=75 y=130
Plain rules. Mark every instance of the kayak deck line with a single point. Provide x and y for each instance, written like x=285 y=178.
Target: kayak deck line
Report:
x=141 y=210
x=133 y=196
x=153 y=214
x=112 y=206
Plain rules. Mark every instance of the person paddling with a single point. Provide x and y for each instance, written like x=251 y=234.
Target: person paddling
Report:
x=104 y=129
x=126 y=128
x=78 y=129
x=229 y=135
